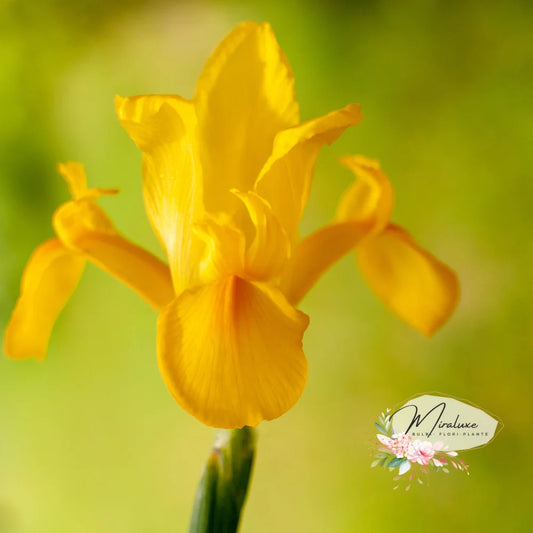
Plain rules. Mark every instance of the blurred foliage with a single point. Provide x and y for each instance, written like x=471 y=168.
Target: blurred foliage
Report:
x=90 y=440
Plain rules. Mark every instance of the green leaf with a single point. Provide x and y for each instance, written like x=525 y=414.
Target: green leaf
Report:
x=405 y=466
x=397 y=461
x=381 y=429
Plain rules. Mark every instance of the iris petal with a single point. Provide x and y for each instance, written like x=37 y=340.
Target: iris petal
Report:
x=285 y=180
x=164 y=128
x=49 y=279
x=137 y=268
x=363 y=210
x=418 y=287
x=83 y=227
x=225 y=248
x=231 y=352
x=269 y=249
x=76 y=179
x=140 y=109
x=317 y=253
x=244 y=96
x=370 y=198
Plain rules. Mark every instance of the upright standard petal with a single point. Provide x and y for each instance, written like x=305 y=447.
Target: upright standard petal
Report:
x=83 y=227
x=231 y=352
x=244 y=96
x=290 y=167
x=49 y=279
x=418 y=287
x=164 y=128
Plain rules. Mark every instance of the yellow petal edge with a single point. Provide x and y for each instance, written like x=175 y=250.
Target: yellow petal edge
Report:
x=412 y=282
x=49 y=279
x=231 y=352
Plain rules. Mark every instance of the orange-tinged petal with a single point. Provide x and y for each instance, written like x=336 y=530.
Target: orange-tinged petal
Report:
x=164 y=128
x=231 y=352
x=49 y=279
x=370 y=198
x=269 y=249
x=418 y=287
x=244 y=96
x=317 y=253
x=285 y=180
x=84 y=227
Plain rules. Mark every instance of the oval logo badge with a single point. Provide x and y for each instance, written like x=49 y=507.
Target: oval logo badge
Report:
x=457 y=423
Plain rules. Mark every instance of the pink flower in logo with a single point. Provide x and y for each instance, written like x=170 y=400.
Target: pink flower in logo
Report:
x=421 y=452
x=400 y=444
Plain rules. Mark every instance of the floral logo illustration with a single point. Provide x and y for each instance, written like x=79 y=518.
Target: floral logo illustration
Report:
x=399 y=451
x=425 y=433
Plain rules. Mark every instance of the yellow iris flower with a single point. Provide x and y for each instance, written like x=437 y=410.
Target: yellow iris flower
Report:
x=226 y=177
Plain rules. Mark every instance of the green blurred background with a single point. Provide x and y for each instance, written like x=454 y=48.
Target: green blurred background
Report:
x=91 y=441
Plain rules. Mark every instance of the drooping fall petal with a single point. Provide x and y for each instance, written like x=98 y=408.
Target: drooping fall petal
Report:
x=83 y=227
x=231 y=352
x=364 y=209
x=244 y=96
x=418 y=287
x=317 y=253
x=164 y=128
x=290 y=167
x=137 y=268
x=49 y=279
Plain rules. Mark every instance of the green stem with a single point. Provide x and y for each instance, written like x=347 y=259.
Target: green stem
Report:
x=222 y=490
